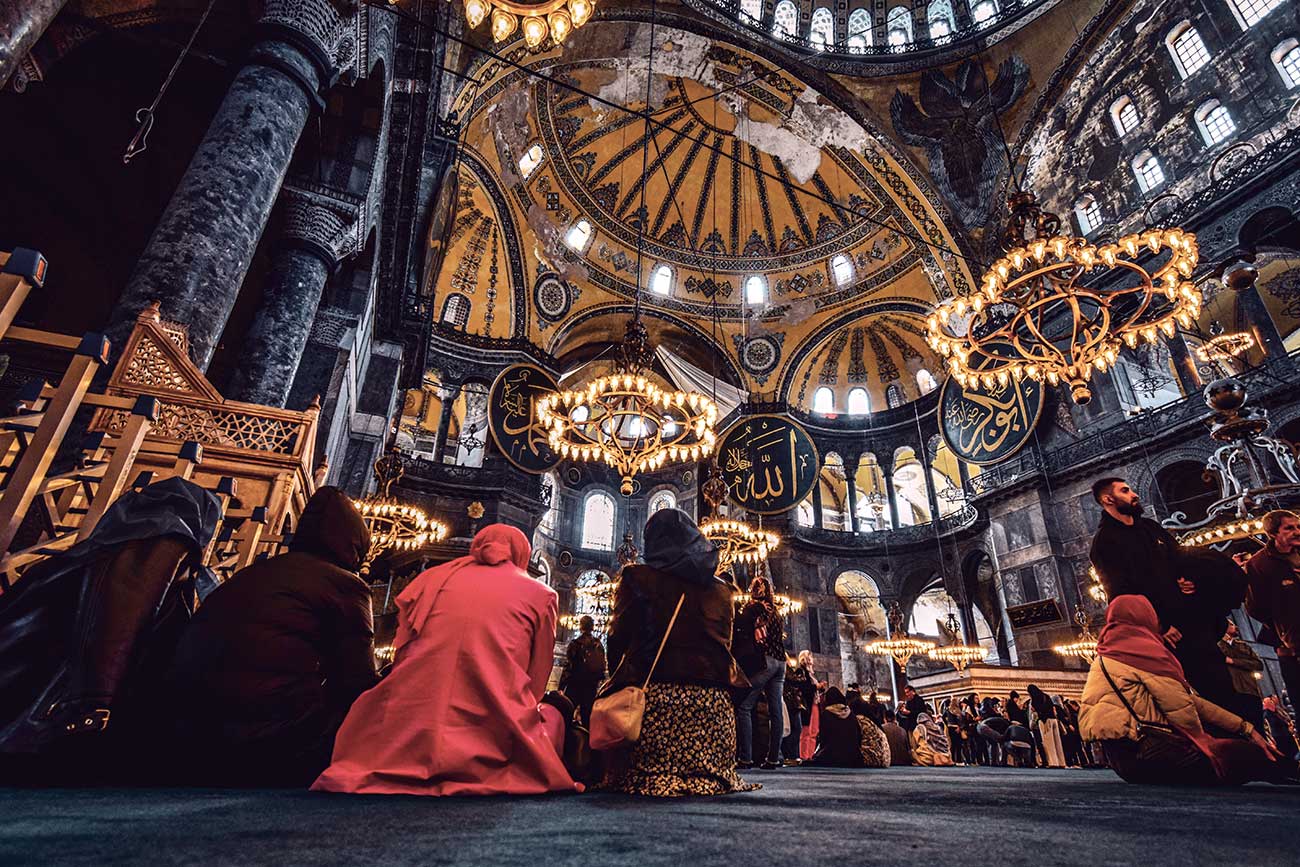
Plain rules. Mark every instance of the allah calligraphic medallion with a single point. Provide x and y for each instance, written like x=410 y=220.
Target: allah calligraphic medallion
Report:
x=986 y=425
x=512 y=419
x=769 y=462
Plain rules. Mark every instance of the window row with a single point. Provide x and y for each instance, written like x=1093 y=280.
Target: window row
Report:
x=940 y=21
x=1190 y=54
x=599 y=513
x=859 y=402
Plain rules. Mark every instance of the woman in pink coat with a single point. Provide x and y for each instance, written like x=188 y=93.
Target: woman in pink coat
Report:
x=459 y=714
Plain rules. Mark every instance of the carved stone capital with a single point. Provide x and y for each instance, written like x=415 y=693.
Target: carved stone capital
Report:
x=324 y=221
x=333 y=33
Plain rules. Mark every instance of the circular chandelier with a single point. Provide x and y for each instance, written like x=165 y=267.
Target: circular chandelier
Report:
x=1085 y=646
x=957 y=655
x=1035 y=317
x=738 y=542
x=394 y=526
x=600 y=619
x=785 y=605
x=899 y=645
x=627 y=421
x=1226 y=347
x=556 y=19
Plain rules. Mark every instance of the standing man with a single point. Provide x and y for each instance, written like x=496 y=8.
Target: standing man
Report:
x=584 y=669
x=910 y=708
x=1135 y=555
x=1273 y=590
x=1244 y=664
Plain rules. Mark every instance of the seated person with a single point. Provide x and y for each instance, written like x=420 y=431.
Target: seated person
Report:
x=459 y=713
x=900 y=750
x=848 y=739
x=994 y=729
x=1138 y=703
x=930 y=745
x=275 y=656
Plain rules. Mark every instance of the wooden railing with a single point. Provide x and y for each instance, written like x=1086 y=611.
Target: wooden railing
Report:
x=158 y=417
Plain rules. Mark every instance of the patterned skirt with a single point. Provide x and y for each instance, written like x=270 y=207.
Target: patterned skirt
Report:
x=687 y=746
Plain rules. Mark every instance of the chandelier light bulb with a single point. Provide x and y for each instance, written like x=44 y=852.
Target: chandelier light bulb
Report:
x=476 y=11
x=561 y=25
x=503 y=24
x=580 y=11
x=535 y=30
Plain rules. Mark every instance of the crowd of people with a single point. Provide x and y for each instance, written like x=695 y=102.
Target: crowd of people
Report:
x=272 y=681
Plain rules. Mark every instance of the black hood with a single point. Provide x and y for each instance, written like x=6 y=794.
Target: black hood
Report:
x=331 y=528
x=674 y=544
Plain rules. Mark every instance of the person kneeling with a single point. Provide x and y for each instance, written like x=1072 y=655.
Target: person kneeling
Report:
x=460 y=713
x=1137 y=702
x=930 y=745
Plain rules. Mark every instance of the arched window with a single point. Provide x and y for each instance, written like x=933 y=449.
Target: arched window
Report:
x=1147 y=170
x=1088 y=213
x=531 y=159
x=1215 y=122
x=824 y=401
x=894 y=395
x=804 y=515
x=859 y=31
x=984 y=12
x=455 y=310
x=842 y=269
x=598 y=522
x=898 y=26
x=753 y=9
x=785 y=20
x=942 y=22
x=925 y=381
x=859 y=401
x=756 y=289
x=1251 y=12
x=1286 y=57
x=662 y=500
x=822 y=30
x=1124 y=114
x=1187 y=48
x=579 y=236
x=662 y=281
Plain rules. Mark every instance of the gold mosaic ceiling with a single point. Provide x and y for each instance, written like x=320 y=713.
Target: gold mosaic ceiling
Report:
x=747 y=171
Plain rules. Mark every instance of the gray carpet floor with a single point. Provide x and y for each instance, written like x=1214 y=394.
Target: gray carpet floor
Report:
x=973 y=817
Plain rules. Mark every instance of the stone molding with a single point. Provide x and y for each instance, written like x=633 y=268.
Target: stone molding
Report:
x=333 y=32
x=324 y=221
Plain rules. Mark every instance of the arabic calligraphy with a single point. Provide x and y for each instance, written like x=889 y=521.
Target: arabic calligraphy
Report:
x=984 y=426
x=769 y=462
x=512 y=418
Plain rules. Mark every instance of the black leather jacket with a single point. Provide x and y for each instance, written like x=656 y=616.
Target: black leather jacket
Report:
x=698 y=650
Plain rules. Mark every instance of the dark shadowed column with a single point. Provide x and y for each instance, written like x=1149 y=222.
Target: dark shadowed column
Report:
x=851 y=496
x=21 y=23
x=204 y=242
x=321 y=229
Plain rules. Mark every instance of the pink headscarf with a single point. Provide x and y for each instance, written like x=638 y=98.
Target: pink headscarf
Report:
x=1132 y=636
x=496 y=546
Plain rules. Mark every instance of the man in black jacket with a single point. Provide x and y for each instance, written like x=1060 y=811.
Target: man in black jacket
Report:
x=1273 y=591
x=1133 y=554
x=584 y=669
x=276 y=655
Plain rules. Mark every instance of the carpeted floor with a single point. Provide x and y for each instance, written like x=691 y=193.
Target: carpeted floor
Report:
x=902 y=816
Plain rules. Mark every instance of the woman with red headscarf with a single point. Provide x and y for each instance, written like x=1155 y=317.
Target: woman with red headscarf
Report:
x=459 y=713
x=1151 y=724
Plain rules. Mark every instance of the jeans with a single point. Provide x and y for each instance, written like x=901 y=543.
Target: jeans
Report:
x=770 y=682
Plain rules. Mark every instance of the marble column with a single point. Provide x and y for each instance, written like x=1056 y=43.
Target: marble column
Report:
x=851 y=495
x=448 y=394
x=888 y=472
x=21 y=25
x=1184 y=365
x=817 y=504
x=321 y=229
x=1240 y=277
x=930 y=494
x=204 y=242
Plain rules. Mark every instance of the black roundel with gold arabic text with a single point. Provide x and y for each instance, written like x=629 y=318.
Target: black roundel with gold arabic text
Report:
x=769 y=462
x=512 y=417
x=986 y=425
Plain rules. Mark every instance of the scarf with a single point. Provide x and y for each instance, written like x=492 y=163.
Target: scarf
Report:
x=1132 y=636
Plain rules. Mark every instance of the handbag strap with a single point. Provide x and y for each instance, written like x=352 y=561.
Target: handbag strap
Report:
x=1141 y=723
x=667 y=632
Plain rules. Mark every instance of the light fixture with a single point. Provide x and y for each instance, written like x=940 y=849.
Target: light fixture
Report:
x=600 y=619
x=394 y=526
x=785 y=605
x=957 y=655
x=1085 y=646
x=1095 y=588
x=556 y=18
x=627 y=421
x=899 y=645
x=738 y=542
x=1226 y=347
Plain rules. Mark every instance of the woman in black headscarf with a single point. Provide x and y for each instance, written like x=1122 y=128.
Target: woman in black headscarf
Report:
x=1046 y=728
x=688 y=733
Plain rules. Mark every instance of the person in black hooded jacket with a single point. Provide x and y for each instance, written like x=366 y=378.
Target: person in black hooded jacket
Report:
x=276 y=655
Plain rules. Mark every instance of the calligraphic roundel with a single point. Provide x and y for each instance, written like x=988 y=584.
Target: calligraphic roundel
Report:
x=769 y=462
x=984 y=426
x=512 y=418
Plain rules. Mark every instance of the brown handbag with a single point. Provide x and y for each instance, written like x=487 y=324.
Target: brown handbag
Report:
x=616 y=718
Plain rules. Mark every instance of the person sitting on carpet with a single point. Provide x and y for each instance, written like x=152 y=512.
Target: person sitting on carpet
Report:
x=930 y=745
x=900 y=750
x=1138 y=703
x=265 y=672
x=849 y=739
x=688 y=730
x=459 y=713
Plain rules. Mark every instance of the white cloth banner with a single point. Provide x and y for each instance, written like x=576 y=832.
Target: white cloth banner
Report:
x=688 y=377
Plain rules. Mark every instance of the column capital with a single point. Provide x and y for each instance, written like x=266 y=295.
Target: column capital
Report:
x=322 y=221
x=332 y=33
